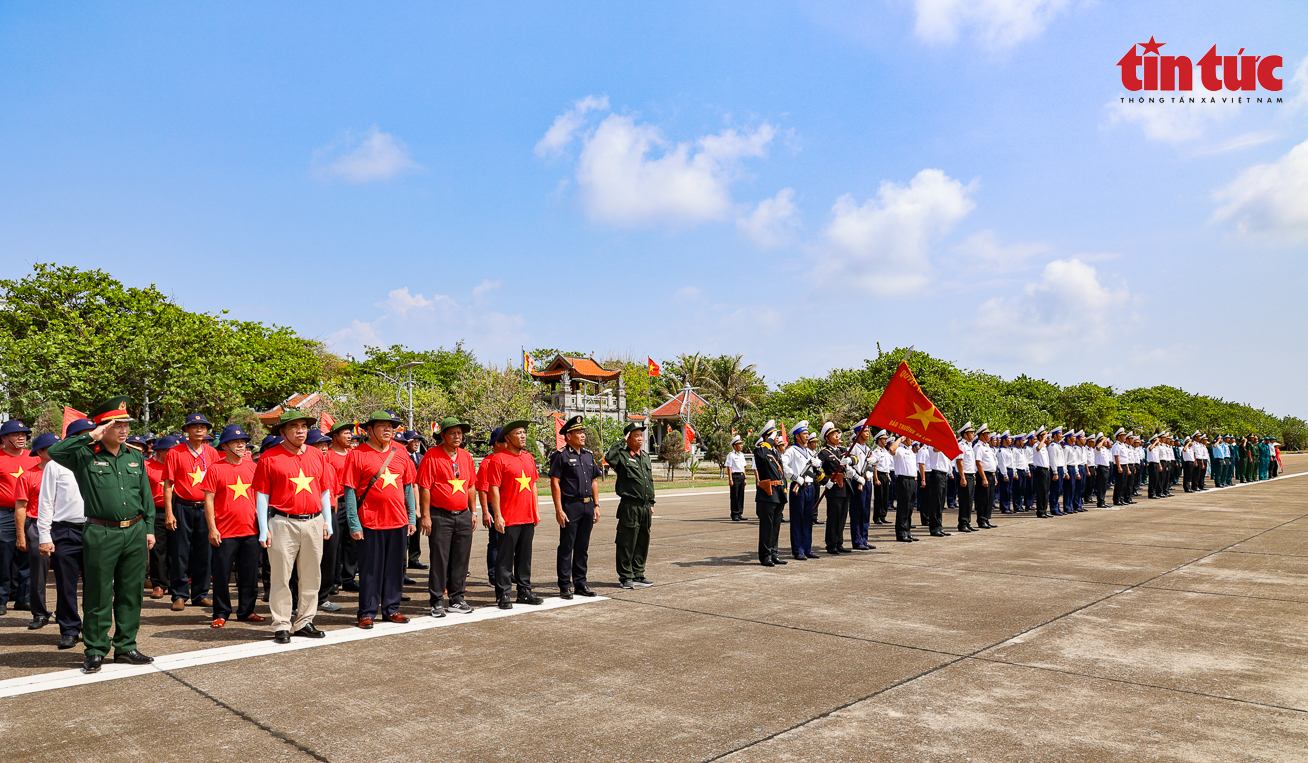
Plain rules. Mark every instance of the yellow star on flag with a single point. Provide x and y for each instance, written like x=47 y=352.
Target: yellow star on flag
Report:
x=302 y=482
x=240 y=489
x=388 y=478
x=926 y=415
x=456 y=486
x=196 y=476
x=524 y=481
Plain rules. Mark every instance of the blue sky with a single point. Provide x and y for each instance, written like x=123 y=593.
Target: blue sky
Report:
x=793 y=181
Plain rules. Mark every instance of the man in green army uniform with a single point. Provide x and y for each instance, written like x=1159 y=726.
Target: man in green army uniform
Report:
x=1248 y=454
x=635 y=489
x=119 y=517
x=1264 y=457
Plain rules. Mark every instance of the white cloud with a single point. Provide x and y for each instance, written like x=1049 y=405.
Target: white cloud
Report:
x=1269 y=199
x=375 y=155
x=1170 y=122
x=883 y=246
x=566 y=125
x=998 y=23
x=773 y=222
x=620 y=183
x=1062 y=313
x=420 y=321
x=985 y=253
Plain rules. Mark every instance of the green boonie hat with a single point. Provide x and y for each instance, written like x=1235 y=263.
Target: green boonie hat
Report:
x=341 y=425
x=379 y=417
x=113 y=409
x=449 y=422
x=289 y=416
x=635 y=426
x=512 y=425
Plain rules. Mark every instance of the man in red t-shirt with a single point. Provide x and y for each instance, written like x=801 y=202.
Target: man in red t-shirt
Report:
x=511 y=484
x=293 y=487
x=233 y=528
x=157 y=566
x=188 y=549
x=27 y=495
x=381 y=508
x=14 y=462
x=483 y=493
x=344 y=560
x=447 y=498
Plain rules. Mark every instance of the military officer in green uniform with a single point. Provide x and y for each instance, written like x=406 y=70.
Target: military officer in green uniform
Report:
x=635 y=489
x=119 y=517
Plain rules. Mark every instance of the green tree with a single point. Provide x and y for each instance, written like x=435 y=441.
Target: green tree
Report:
x=673 y=451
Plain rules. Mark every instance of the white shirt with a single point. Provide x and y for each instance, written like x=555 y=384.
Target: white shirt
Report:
x=736 y=462
x=1057 y=458
x=1187 y=454
x=1102 y=457
x=884 y=460
x=1165 y=453
x=1155 y=455
x=1021 y=459
x=905 y=461
x=939 y=461
x=986 y=455
x=1040 y=456
x=795 y=461
x=968 y=456
x=1119 y=451
x=1006 y=460
x=1073 y=454
x=60 y=500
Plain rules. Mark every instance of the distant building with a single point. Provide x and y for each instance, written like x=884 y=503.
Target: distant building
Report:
x=672 y=415
x=580 y=386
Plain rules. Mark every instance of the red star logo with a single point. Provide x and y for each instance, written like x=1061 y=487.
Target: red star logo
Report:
x=1152 y=47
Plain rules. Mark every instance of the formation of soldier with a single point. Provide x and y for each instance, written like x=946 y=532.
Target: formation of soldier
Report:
x=1051 y=472
x=311 y=513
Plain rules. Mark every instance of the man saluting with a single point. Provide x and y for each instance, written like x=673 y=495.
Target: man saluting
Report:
x=119 y=515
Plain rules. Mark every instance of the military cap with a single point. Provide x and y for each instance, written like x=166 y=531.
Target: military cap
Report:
x=44 y=441
x=316 y=436
x=13 y=426
x=735 y=438
x=1039 y=431
x=983 y=429
x=827 y=429
x=859 y=426
x=79 y=426
x=633 y=426
x=196 y=418
x=512 y=425
x=113 y=409
x=1120 y=431
x=1004 y=434
x=289 y=416
x=573 y=424
x=1056 y=430
x=235 y=432
x=767 y=429
x=270 y=441
x=165 y=443
x=381 y=417
x=338 y=426
x=881 y=434
x=966 y=428
x=800 y=426
x=132 y=439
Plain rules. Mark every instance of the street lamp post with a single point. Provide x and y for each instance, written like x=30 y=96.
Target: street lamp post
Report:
x=402 y=385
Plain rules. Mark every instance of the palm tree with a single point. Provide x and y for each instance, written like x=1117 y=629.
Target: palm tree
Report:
x=736 y=385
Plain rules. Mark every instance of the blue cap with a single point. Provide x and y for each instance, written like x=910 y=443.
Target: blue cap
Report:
x=13 y=426
x=136 y=439
x=232 y=432
x=79 y=426
x=316 y=436
x=44 y=441
x=167 y=442
x=269 y=442
x=196 y=418
x=495 y=435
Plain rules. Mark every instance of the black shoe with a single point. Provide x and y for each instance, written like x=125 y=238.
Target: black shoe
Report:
x=68 y=641
x=902 y=538
x=349 y=585
x=92 y=664
x=4 y=610
x=799 y=557
x=409 y=581
x=777 y=560
x=21 y=606
x=282 y=637
x=334 y=590
x=38 y=622
x=505 y=603
x=584 y=590
x=419 y=566
x=767 y=563
x=565 y=593
x=527 y=597
x=309 y=631
x=843 y=550
x=133 y=657
x=811 y=555
x=913 y=538
x=965 y=529
x=940 y=534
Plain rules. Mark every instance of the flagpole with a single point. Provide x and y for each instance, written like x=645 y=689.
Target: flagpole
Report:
x=906 y=354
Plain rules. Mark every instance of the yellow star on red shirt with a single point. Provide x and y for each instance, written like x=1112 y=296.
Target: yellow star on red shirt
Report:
x=301 y=482
x=18 y=473
x=456 y=486
x=388 y=478
x=196 y=476
x=524 y=482
x=240 y=489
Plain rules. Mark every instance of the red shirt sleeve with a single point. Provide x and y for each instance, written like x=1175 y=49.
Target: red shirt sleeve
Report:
x=262 y=474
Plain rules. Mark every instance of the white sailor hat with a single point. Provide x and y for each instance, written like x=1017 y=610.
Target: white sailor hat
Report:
x=859 y=426
x=1040 y=431
x=767 y=429
x=967 y=428
x=1004 y=434
x=882 y=433
x=1056 y=430
x=826 y=428
x=983 y=429
x=1099 y=435
x=1197 y=433
x=735 y=438
x=800 y=426
x=1120 y=431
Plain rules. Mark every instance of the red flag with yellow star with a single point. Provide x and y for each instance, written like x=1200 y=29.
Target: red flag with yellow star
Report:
x=904 y=409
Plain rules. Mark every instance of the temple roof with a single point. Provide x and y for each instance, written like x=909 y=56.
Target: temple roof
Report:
x=674 y=407
x=577 y=368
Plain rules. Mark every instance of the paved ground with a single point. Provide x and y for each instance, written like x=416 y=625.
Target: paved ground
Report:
x=1172 y=631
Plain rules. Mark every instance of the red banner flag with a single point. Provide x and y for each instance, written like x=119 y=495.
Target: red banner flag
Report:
x=70 y=415
x=326 y=422
x=653 y=367
x=903 y=409
x=559 y=439
x=690 y=436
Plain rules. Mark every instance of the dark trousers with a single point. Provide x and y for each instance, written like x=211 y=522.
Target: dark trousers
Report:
x=858 y=514
x=574 y=543
x=513 y=560
x=188 y=569
x=966 y=493
x=984 y=500
x=737 y=494
x=67 y=564
x=1119 y=484
x=13 y=586
x=331 y=550
x=937 y=485
x=631 y=541
x=1101 y=485
x=1055 y=488
x=1200 y=469
x=157 y=564
x=1041 y=487
x=415 y=550
x=241 y=554
x=38 y=569
x=837 y=512
x=1188 y=478
x=382 y=555
x=347 y=550
x=801 y=502
x=881 y=498
x=1155 y=480
x=492 y=552
x=769 y=528
x=450 y=550
x=1070 y=488
x=905 y=494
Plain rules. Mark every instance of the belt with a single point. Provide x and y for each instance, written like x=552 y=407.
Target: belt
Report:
x=67 y=524
x=288 y=515
x=587 y=499
x=184 y=502
x=116 y=523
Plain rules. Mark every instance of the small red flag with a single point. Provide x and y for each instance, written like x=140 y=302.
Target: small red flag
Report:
x=70 y=415
x=903 y=409
x=653 y=367
x=690 y=436
x=326 y=422
x=559 y=439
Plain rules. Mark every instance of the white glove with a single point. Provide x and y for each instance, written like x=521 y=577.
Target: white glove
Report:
x=814 y=460
x=846 y=461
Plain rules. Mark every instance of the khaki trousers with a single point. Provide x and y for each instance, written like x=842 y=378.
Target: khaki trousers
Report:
x=294 y=544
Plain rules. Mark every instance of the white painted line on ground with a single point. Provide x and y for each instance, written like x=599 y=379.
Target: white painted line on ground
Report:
x=111 y=671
